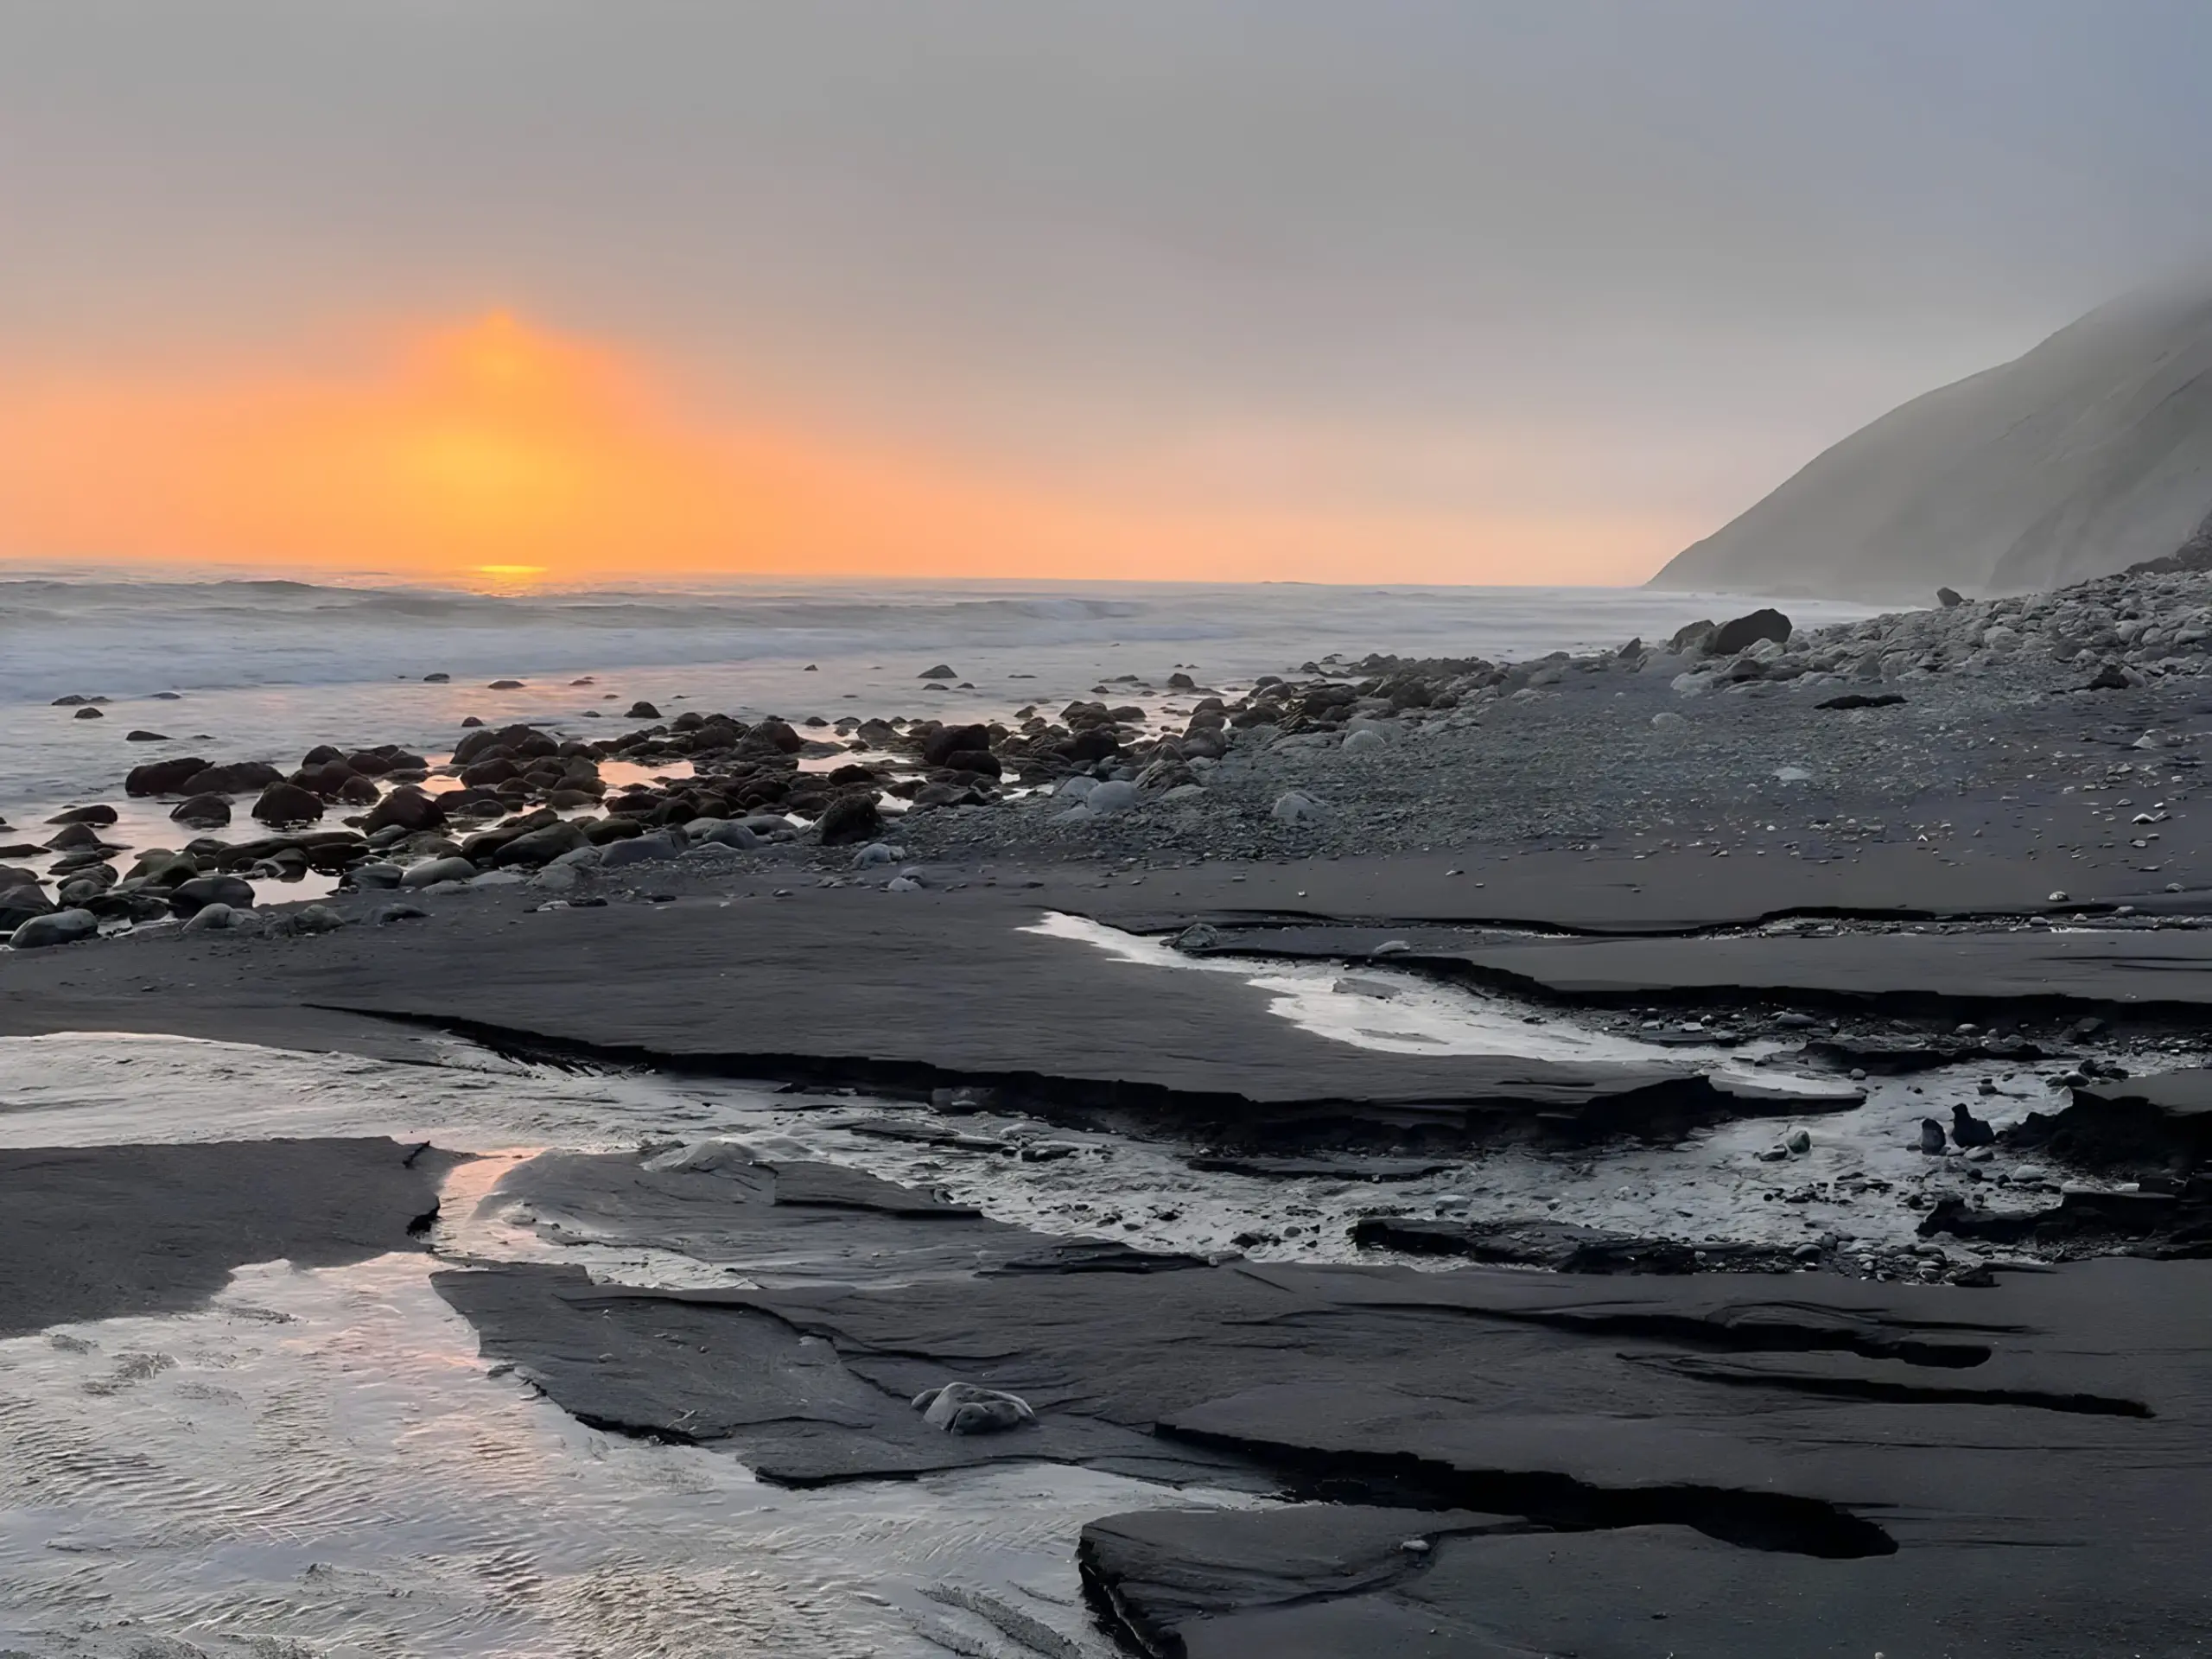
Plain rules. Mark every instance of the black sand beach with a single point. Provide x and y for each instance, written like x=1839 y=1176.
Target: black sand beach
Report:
x=1974 y=1429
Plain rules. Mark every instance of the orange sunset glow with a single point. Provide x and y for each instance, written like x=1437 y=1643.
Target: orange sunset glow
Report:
x=499 y=453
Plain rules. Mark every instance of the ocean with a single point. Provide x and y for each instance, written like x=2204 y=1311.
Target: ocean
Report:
x=266 y=669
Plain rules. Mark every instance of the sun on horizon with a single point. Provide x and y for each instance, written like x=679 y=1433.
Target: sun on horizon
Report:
x=499 y=453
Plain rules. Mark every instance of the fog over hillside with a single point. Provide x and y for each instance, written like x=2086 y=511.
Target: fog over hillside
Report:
x=2086 y=455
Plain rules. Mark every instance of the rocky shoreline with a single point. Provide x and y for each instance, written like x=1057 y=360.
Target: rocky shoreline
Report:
x=1700 y=1109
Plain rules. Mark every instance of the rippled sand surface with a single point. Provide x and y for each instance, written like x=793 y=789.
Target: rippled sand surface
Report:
x=319 y=1464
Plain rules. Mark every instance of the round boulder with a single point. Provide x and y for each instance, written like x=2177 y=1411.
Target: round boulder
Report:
x=234 y=779
x=979 y=762
x=542 y=846
x=163 y=777
x=1737 y=632
x=642 y=850
x=965 y=1408
x=432 y=871
x=63 y=927
x=95 y=814
x=1096 y=743
x=190 y=896
x=849 y=819
x=202 y=812
x=288 y=803
x=407 y=808
x=940 y=747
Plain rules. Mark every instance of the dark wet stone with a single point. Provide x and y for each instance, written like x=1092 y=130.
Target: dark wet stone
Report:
x=1862 y=700
x=202 y=811
x=405 y=807
x=162 y=777
x=188 y=896
x=849 y=819
x=235 y=778
x=288 y=803
x=97 y=813
x=1737 y=632
x=55 y=927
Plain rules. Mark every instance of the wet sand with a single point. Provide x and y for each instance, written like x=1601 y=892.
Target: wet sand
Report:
x=1705 y=1051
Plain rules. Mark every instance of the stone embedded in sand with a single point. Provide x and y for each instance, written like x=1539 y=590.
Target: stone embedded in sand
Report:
x=1108 y=798
x=658 y=846
x=964 y=1408
x=1861 y=700
x=430 y=872
x=62 y=927
x=727 y=832
x=540 y=846
x=194 y=894
x=940 y=672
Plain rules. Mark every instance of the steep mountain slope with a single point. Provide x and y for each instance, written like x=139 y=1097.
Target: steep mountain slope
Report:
x=2092 y=451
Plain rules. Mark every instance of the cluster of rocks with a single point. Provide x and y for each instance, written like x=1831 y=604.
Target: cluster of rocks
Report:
x=2107 y=634
x=1374 y=754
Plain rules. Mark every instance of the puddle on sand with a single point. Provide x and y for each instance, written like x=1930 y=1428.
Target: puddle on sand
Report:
x=92 y=1089
x=1391 y=1010
x=318 y=1466
x=1372 y=1006
x=319 y=1459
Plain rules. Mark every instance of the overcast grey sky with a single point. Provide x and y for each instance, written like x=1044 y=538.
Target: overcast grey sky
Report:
x=1642 y=258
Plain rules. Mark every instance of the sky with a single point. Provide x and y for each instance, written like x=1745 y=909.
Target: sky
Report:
x=1414 y=290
